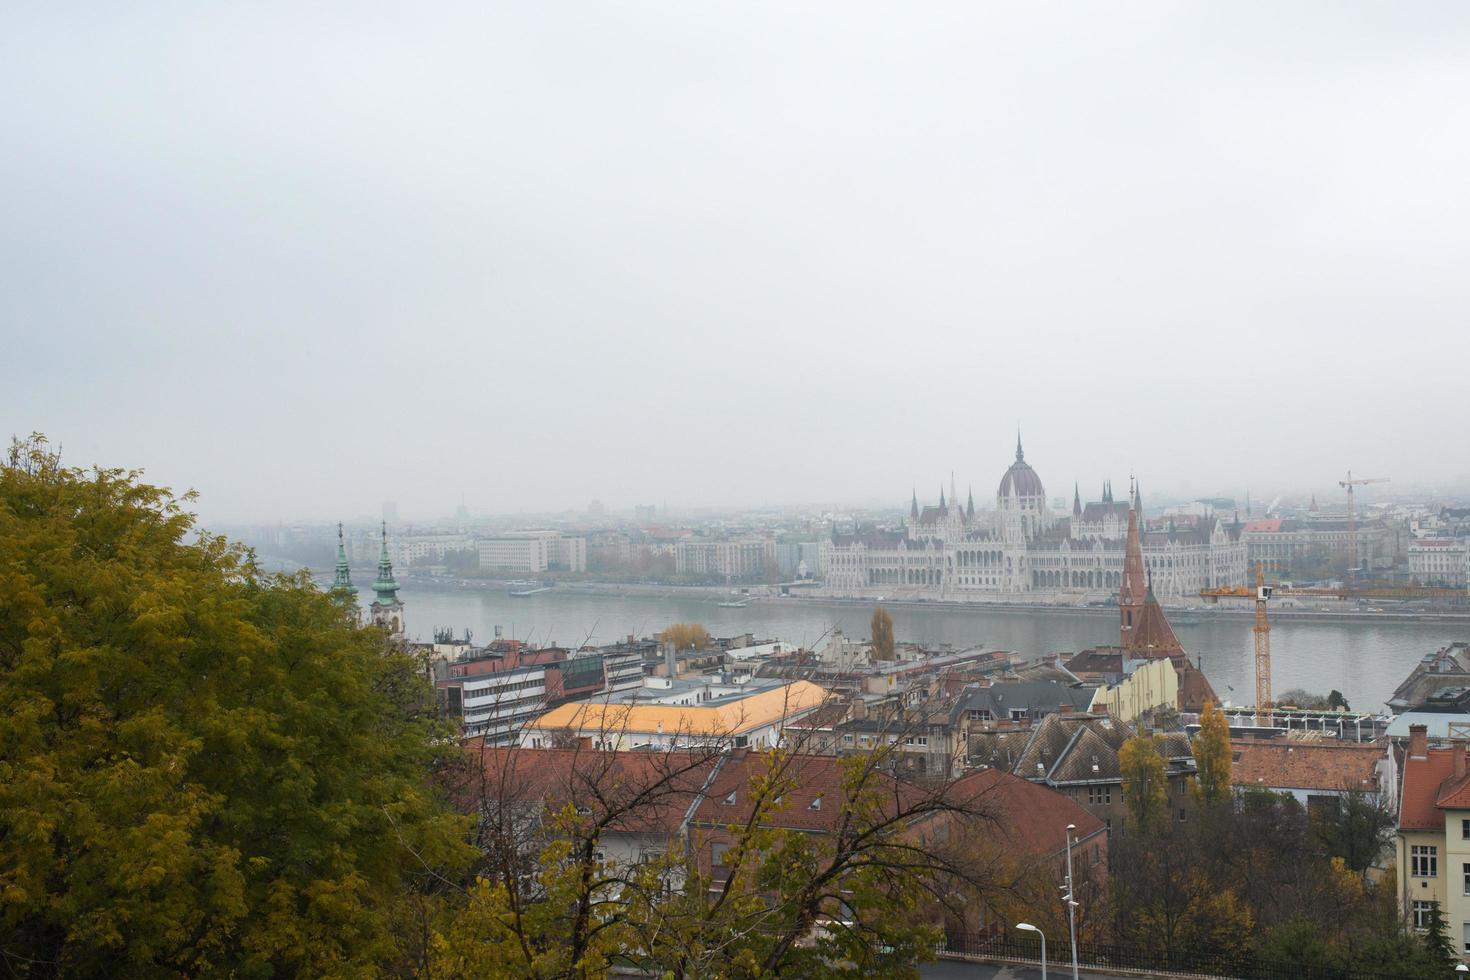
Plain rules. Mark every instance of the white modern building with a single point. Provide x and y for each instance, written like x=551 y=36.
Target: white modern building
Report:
x=532 y=552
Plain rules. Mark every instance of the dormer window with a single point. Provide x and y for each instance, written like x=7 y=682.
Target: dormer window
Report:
x=815 y=804
x=730 y=800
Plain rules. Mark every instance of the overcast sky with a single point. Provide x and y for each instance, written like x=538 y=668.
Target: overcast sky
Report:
x=306 y=258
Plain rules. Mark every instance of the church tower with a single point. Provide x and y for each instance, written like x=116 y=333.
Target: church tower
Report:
x=1134 y=591
x=343 y=592
x=387 y=610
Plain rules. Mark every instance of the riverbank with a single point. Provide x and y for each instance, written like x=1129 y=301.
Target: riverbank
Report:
x=759 y=595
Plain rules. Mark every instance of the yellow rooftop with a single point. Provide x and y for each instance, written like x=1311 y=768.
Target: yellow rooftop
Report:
x=733 y=717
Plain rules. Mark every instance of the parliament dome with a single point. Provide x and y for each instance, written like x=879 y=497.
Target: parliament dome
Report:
x=1020 y=480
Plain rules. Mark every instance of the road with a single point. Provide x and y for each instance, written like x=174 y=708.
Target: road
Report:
x=960 y=970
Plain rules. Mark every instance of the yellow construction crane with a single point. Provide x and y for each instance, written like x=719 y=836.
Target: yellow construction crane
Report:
x=1352 y=522
x=1262 y=632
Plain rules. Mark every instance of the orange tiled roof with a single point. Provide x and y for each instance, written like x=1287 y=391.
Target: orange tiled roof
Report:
x=1289 y=764
x=1422 y=781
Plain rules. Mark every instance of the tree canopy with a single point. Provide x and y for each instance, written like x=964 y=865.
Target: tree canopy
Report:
x=1145 y=784
x=686 y=636
x=882 y=631
x=1212 y=755
x=203 y=767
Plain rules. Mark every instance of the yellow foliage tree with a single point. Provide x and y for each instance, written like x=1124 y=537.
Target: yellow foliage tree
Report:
x=1212 y=756
x=686 y=636
x=882 y=634
x=1145 y=789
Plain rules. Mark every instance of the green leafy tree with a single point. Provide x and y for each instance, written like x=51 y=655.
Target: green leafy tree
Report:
x=1145 y=783
x=881 y=629
x=1439 y=947
x=1356 y=828
x=1212 y=756
x=203 y=768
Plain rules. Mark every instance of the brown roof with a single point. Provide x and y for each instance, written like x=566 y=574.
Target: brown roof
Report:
x=1097 y=661
x=1152 y=635
x=656 y=789
x=1056 y=734
x=1194 y=687
x=1029 y=817
x=729 y=800
x=1291 y=764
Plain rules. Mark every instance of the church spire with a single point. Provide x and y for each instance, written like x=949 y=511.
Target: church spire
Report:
x=385 y=586
x=387 y=608
x=914 y=507
x=941 y=496
x=342 y=591
x=1076 y=499
x=970 y=507
x=1020 y=455
x=1134 y=591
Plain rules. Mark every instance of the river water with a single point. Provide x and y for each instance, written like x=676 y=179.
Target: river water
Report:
x=1363 y=660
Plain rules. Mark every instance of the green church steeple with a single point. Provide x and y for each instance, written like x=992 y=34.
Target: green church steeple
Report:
x=387 y=608
x=342 y=590
x=385 y=586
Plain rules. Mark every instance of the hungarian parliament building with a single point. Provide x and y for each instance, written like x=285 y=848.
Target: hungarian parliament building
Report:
x=948 y=552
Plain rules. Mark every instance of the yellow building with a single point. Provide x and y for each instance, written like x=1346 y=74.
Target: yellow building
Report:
x=1433 y=845
x=681 y=713
x=1153 y=684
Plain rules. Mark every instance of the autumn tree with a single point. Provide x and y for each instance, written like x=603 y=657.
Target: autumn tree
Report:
x=1212 y=756
x=882 y=634
x=204 y=769
x=864 y=897
x=686 y=636
x=1145 y=783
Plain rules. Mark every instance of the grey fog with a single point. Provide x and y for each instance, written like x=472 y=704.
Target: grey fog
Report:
x=306 y=258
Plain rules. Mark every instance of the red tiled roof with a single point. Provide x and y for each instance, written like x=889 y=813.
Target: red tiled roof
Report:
x=1031 y=817
x=1267 y=525
x=815 y=777
x=656 y=789
x=1420 y=792
x=1455 y=794
x=1290 y=764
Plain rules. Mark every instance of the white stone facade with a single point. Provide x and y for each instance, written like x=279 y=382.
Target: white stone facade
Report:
x=1024 y=550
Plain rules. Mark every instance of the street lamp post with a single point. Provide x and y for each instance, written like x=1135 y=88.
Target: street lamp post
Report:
x=1028 y=927
x=1071 y=900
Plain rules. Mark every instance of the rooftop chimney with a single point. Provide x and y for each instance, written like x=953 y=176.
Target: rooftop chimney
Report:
x=1458 y=747
x=1418 y=741
x=671 y=660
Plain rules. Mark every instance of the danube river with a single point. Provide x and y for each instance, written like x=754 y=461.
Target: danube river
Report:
x=1363 y=660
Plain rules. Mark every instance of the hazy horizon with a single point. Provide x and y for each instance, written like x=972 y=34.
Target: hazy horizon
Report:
x=307 y=260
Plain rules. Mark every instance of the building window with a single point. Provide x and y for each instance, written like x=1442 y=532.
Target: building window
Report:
x=1466 y=869
x=1424 y=861
x=1100 y=795
x=1465 y=829
x=717 y=853
x=1182 y=817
